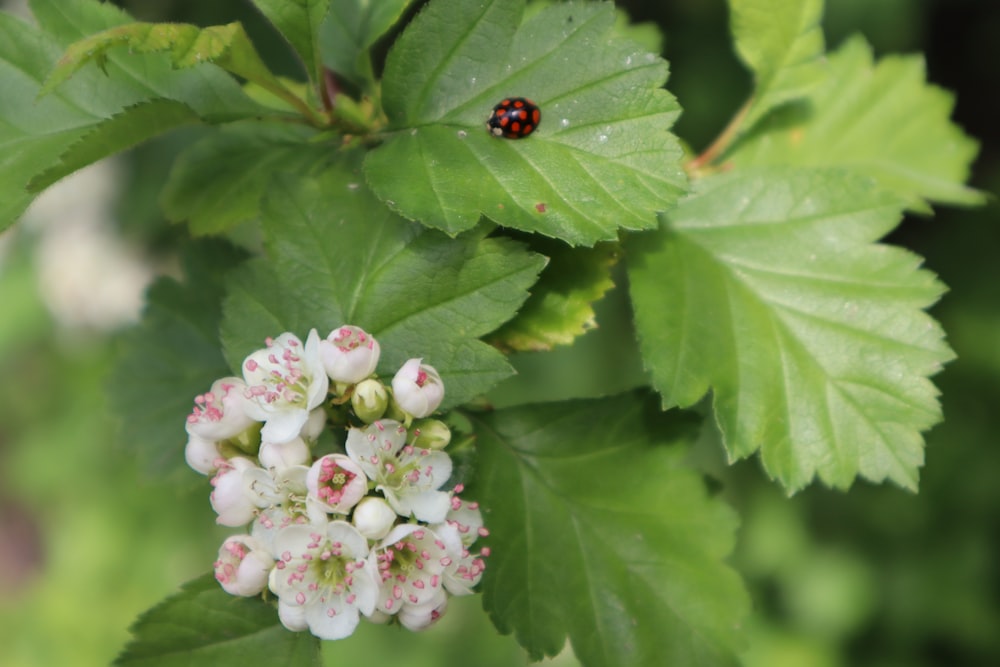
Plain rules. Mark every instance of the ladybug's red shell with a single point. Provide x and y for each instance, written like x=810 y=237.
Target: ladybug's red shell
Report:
x=514 y=118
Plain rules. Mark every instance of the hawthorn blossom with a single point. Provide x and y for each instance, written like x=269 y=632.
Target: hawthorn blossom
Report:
x=285 y=381
x=350 y=354
x=408 y=476
x=221 y=412
x=295 y=452
x=418 y=388
x=203 y=455
x=411 y=564
x=231 y=497
x=323 y=578
x=415 y=617
x=243 y=565
x=460 y=529
x=336 y=483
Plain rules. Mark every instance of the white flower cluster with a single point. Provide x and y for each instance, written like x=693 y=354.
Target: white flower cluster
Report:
x=364 y=531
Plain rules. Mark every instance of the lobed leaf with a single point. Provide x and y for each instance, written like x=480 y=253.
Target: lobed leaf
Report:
x=601 y=159
x=600 y=533
x=781 y=41
x=766 y=287
x=299 y=22
x=879 y=119
x=239 y=160
x=336 y=255
x=202 y=625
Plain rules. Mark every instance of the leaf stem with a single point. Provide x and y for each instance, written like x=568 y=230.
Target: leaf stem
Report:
x=721 y=142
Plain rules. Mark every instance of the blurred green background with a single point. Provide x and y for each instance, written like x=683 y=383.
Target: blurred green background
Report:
x=874 y=577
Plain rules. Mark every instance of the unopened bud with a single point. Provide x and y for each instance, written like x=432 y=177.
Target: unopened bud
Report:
x=369 y=400
x=431 y=434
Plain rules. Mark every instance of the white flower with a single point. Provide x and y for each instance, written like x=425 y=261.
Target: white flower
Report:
x=373 y=518
x=231 y=498
x=272 y=520
x=284 y=382
x=221 y=412
x=411 y=563
x=408 y=476
x=336 y=483
x=313 y=426
x=420 y=617
x=350 y=354
x=462 y=527
x=323 y=576
x=203 y=455
x=243 y=566
x=295 y=452
x=418 y=388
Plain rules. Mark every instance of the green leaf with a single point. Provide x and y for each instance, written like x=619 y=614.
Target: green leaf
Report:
x=781 y=41
x=239 y=161
x=35 y=133
x=336 y=255
x=600 y=533
x=124 y=130
x=767 y=288
x=188 y=45
x=601 y=159
x=560 y=307
x=602 y=362
x=350 y=29
x=880 y=119
x=130 y=77
x=171 y=356
x=299 y=21
x=203 y=626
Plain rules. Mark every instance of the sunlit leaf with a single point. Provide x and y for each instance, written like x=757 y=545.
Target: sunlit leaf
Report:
x=767 y=288
x=881 y=119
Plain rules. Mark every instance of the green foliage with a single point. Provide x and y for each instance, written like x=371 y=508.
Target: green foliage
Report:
x=601 y=159
x=611 y=539
x=880 y=119
x=202 y=624
x=171 y=357
x=240 y=161
x=561 y=304
x=299 y=21
x=760 y=287
x=336 y=255
x=782 y=43
x=350 y=30
x=126 y=129
x=766 y=286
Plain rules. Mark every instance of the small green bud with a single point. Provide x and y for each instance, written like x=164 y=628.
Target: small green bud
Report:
x=369 y=400
x=431 y=434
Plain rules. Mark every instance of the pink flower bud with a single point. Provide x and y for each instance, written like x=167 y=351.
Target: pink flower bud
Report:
x=349 y=354
x=418 y=388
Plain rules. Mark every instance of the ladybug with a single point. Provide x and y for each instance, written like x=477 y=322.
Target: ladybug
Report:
x=514 y=118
